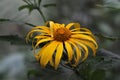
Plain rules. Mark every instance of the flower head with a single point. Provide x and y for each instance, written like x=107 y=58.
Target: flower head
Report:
x=71 y=40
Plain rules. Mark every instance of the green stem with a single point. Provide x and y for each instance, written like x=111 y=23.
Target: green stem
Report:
x=41 y=13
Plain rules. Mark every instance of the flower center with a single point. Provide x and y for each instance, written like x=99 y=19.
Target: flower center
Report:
x=62 y=34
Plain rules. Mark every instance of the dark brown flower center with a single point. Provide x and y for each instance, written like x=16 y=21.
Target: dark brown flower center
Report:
x=62 y=34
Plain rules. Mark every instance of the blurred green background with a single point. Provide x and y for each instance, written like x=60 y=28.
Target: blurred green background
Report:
x=100 y=16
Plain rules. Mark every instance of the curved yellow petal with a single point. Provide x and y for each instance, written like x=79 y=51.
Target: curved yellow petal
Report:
x=51 y=27
x=86 y=50
x=42 y=28
x=58 y=55
x=78 y=53
x=80 y=32
x=33 y=31
x=82 y=47
x=38 y=55
x=69 y=51
x=91 y=45
x=40 y=31
x=75 y=29
x=83 y=33
x=40 y=52
x=43 y=40
x=40 y=37
x=75 y=25
x=47 y=53
x=85 y=29
x=84 y=37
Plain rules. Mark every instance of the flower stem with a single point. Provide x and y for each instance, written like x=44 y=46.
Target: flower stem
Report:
x=41 y=13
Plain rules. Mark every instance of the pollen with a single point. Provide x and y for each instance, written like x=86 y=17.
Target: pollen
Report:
x=62 y=34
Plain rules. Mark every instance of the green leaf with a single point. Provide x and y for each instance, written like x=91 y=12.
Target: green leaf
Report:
x=23 y=7
x=98 y=74
x=29 y=7
x=49 y=5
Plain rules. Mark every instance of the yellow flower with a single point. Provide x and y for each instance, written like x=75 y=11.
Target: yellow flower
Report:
x=71 y=40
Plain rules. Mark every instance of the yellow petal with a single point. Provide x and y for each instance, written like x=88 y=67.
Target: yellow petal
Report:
x=40 y=31
x=47 y=53
x=62 y=25
x=57 y=25
x=83 y=46
x=40 y=37
x=58 y=54
x=83 y=33
x=38 y=55
x=51 y=27
x=51 y=24
x=84 y=37
x=76 y=29
x=69 y=51
x=43 y=40
x=40 y=52
x=33 y=31
x=85 y=29
x=78 y=53
x=91 y=45
x=80 y=32
x=75 y=25
x=42 y=28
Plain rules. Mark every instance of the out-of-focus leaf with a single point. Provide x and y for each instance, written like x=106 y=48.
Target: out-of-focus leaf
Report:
x=23 y=7
x=111 y=8
x=49 y=5
x=106 y=37
x=13 y=39
x=104 y=6
x=29 y=7
x=2 y=20
x=98 y=74
x=7 y=20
